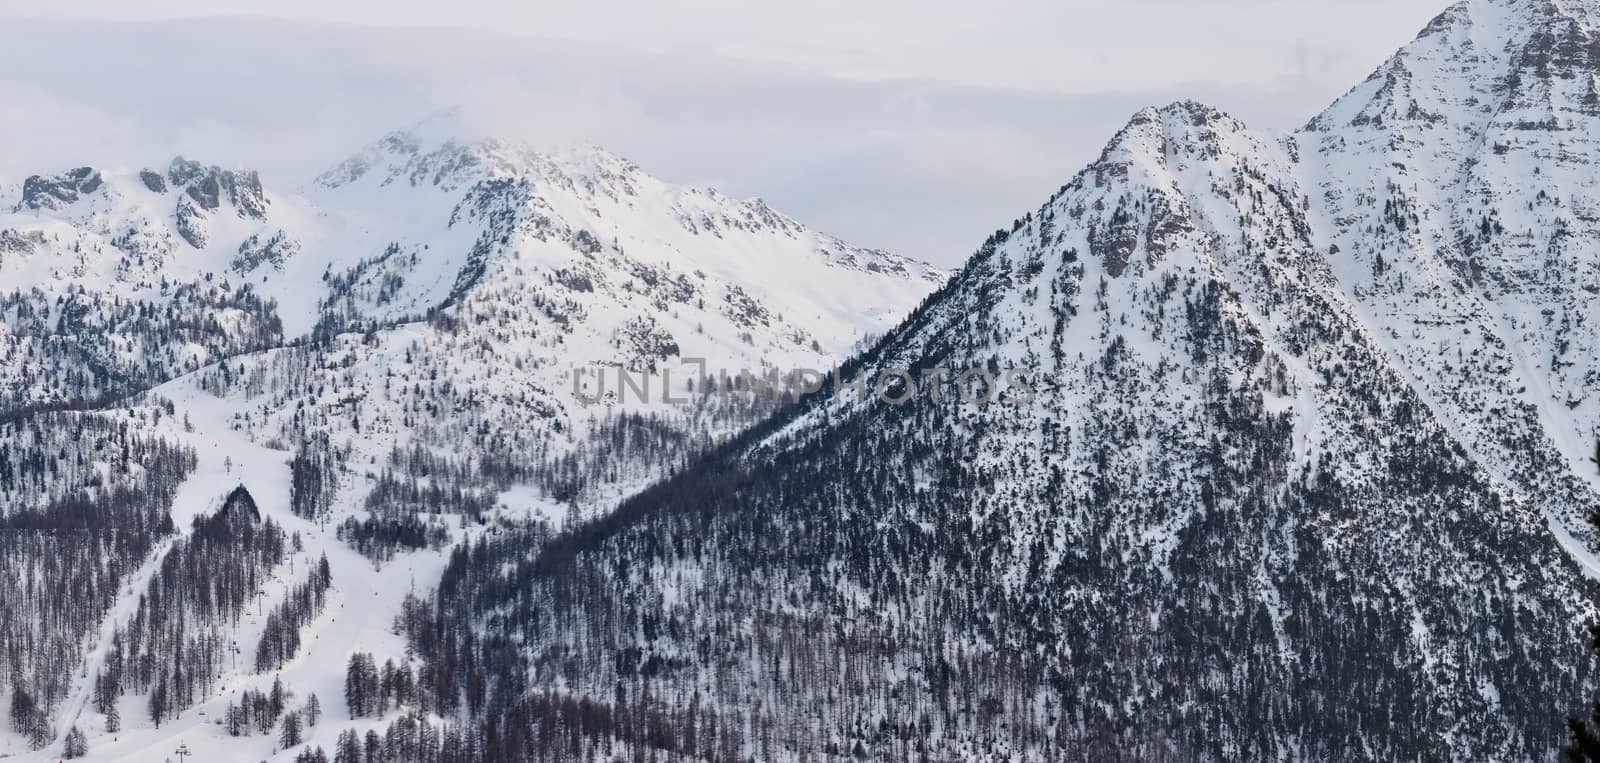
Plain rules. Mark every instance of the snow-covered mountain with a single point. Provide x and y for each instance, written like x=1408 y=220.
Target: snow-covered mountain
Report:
x=1456 y=205
x=1287 y=453
x=1305 y=473
x=419 y=337
x=424 y=217
x=501 y=271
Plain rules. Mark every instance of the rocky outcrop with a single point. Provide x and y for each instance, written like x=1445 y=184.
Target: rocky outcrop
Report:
x=59 y=191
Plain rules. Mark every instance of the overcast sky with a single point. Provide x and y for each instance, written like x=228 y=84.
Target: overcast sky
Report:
x=915 y=126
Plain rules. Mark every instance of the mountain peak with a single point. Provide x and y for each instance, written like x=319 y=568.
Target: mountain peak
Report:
x=449 y=150
x=39 y=192
x=1483 y=58
x=1149 y=130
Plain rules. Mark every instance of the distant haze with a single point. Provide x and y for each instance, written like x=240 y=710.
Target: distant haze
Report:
x=910 y=127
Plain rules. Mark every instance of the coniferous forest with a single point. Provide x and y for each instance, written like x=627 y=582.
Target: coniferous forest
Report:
x=1243 y=444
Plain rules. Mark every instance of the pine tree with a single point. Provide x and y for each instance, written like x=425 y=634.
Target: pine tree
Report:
x=76 y=744
x=22 y=707
x=289 y=736
x=385 y=687
x=261 y=708
x=1585 y=744
x=113 y=718
x=374 y=745
x=355 y=687
x=158 y=701
x=233 y=719
x=309 y=755
x=313 y=710
x=276 y=699
x=349 y=748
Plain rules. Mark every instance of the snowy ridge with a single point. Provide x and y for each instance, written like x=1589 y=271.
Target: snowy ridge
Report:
x=580 y=260
x=1304 y=463
x=453 y=318
x=1298 y=394
x=1456 y=206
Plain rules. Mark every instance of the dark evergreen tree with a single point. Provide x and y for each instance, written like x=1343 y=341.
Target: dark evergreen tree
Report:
x=277 y=697
x=354 y=694
x=373 y=746
x=348 y=749
x=76 y=745
x=289 y=732
x=158 y=704
x=234 y=721
x=1584 y=744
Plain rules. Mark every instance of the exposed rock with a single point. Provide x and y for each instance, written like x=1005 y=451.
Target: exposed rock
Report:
x=153 y=181
x=59 y=191
x=211 y=186
x=190 y=220
x=744 y=309
x=255 y=252
x=14 y=242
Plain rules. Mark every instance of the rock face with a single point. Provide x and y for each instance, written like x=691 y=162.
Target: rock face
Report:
x=153 y=181
x=257 y=251
x=60 y=191
x=1304 y=473
x=207 y=189
x=210 y=186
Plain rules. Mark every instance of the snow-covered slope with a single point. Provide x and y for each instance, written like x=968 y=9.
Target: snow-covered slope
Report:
x=439 y=282
x=606 y=208
x=1304 y=475
x=1299 y=469
x=420 y=334
x=1455 y=199
x=580 y=251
